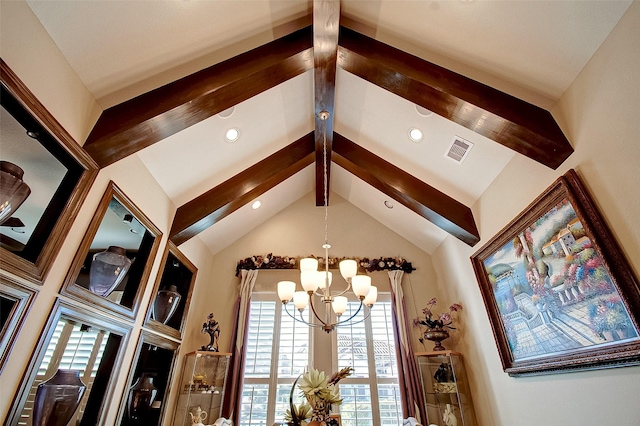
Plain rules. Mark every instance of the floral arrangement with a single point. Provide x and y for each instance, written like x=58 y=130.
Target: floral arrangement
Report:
x=320 y=393
x=444 y=320
x=269 y=261
x=212 y=328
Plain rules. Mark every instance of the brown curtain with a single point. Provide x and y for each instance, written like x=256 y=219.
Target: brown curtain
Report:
x=413 y=404
x=233 y=388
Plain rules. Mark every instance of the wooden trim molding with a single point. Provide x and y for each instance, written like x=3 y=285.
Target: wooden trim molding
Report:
x=45 y=243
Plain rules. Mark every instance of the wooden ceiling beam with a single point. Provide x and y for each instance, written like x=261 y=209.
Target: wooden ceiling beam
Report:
x=326 y=25
x=219 y=202
x=153 y=116
x=514 y=123
x=435 y=206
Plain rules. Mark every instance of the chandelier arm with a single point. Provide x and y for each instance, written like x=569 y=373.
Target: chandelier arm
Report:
x=343 y=323
x=313 y=309
x=310 y=324
x=352 y=316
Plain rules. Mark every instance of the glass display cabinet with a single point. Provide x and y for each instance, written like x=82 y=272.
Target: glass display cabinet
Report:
x=201 y=387
x=446 y=389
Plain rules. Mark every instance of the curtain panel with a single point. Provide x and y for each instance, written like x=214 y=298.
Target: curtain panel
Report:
x=231 y=406
x=410 y=388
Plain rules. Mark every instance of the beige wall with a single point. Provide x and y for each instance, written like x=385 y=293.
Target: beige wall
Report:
x=298 y=230
x=32 y=55
x=600 y=116
x=599 y=113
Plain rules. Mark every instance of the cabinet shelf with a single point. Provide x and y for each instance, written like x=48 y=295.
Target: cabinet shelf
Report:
x=446 y=388
x=202 y=384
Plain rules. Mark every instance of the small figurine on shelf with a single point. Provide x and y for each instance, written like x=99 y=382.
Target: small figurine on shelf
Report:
x=444 y=374
x=212 y=328
x=449 y=417
x=199 y=417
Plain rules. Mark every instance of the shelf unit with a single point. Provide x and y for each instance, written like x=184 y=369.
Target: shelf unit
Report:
x=446 y=388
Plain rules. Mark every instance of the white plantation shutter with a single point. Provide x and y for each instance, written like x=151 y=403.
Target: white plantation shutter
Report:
x=277 y=353
x=371 y=395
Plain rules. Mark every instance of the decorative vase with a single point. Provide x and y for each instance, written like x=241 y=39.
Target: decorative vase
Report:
x=166 y=303
x=437 y=335
x=58 y=398
x=141 y=396
x=108 y=270
x=13 y=190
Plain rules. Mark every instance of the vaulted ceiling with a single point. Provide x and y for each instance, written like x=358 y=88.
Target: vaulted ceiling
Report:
x=174 y=76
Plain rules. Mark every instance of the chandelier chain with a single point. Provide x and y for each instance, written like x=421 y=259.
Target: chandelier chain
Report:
x=326 y=184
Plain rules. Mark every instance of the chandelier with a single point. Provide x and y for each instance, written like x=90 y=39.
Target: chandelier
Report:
x=318 y=284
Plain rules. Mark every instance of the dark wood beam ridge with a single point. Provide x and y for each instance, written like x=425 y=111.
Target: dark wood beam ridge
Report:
x=219 y=202
x=435 y=206
x=512 y=122
x=142 y=121
x=326 y=25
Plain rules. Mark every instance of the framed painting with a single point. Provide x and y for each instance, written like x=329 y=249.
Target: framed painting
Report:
x=557 y=288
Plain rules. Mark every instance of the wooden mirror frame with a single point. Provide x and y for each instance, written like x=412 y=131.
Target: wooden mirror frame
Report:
x=52 y=239
x=60 y=310
x=23 y=296
x=186 y=263
x=84 y=295
x=153 y=339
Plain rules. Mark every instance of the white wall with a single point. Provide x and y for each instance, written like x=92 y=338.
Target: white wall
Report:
x=599 y=113
x=32 y=55
x=298 y=230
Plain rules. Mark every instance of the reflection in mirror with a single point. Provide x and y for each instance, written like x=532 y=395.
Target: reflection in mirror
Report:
x=44 y=176
x=15 y=300
x=115 y=258
x=69 y=379
x=32 y=165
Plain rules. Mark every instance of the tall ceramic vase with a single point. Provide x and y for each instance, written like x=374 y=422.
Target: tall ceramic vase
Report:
x=166 y=303
x=141 y=396
x=57 y=399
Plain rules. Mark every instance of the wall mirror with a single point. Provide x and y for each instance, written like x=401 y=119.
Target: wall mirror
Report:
x=44 y=176
x=144 y=403
x=172 y=293
x=70 y=377
x=115 y=257
x=15 y=301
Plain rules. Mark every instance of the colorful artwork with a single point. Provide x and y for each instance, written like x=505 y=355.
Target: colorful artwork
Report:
x=552 y=289
x=549 y=289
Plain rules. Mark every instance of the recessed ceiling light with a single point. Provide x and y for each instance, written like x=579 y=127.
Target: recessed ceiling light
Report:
x=415 y=135
x=256 y=204
x=423 y=111
x=232 y=135
x=388 y=204
x=226 y=113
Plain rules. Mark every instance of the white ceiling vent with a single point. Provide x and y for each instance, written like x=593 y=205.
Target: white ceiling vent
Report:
x=459 y=149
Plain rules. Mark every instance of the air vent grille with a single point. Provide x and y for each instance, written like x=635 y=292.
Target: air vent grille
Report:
x=459 y=149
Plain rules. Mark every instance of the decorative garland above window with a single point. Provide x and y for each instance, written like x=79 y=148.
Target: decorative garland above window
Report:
x=270 y=261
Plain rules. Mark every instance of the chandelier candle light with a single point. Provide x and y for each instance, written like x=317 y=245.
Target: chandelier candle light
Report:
x=319 y=283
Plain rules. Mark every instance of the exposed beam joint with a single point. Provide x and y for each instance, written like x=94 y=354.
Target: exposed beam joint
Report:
x=219 y=202
x=326 y=25
x=514 y=123
x=151 y=117
x=435 y=206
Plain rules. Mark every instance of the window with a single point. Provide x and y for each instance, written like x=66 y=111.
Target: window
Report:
x=277 y=353
x=371 y=395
